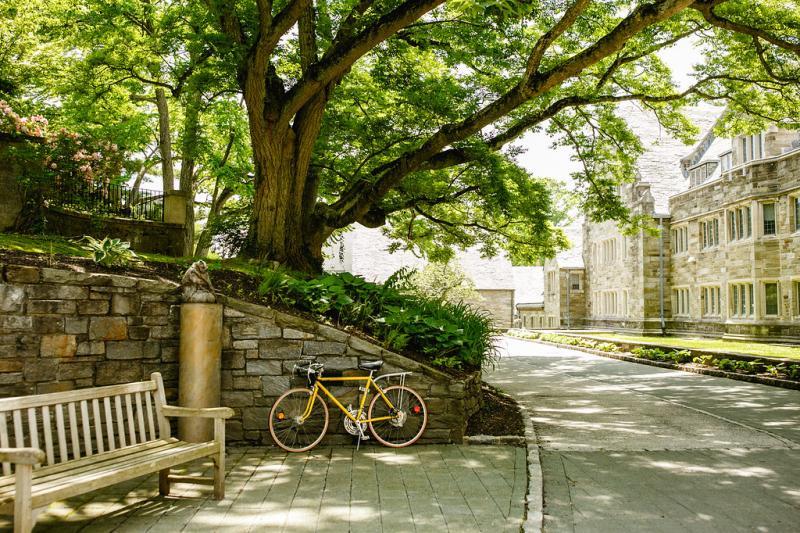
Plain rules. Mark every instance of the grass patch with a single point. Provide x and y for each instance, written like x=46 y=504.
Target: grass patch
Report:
x=758 y=349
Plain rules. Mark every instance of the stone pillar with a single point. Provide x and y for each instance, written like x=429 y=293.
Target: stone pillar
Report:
x=175 y=207
x=199 y=362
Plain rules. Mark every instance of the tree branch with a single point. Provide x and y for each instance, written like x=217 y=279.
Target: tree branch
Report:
x=544 y=42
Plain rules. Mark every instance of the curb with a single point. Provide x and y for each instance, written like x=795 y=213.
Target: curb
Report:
x=533 y=516
x=493 y=440
x=750 y=378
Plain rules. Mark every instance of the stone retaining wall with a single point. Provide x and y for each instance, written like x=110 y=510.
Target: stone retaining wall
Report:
x=61 y=329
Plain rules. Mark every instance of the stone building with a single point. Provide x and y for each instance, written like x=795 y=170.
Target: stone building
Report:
x=529 y=297
x=564 y=290
x=365 y=252
x=721 y=257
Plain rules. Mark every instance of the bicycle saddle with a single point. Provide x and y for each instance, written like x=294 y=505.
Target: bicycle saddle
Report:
x=370 y=365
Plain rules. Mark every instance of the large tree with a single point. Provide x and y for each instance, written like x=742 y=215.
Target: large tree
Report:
x=363 y=111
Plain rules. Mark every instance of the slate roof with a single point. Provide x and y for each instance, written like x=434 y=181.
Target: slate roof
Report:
x=660 y=165
x=528 y=284
x=573 y=257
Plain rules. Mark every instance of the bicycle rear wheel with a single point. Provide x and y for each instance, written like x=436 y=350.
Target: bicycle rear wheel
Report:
x=285 y=426
x=408 y=419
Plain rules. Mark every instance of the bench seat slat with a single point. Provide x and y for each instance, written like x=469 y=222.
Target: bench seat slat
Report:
x=73 y=431
x=47 y=429
x=38 y=400
x=33 y=428
x=4 y=442
x=112 y=472
x=43 y=472
x=98 y=425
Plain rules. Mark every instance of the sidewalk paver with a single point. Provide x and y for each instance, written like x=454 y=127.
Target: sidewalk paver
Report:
x=419 y=488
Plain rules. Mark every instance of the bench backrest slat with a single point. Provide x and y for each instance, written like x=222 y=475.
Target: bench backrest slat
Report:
x=87 y=421
x=4 y=441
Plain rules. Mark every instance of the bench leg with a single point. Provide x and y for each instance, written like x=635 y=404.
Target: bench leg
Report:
x=23 y=513
x=219 y=460
x=163 y=482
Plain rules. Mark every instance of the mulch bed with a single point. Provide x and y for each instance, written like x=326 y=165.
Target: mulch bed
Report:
x=500 y=415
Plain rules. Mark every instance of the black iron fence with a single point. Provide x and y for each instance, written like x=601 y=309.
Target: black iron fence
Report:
x=101 y=198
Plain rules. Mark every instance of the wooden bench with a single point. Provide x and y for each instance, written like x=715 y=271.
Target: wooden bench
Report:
x=103 y=436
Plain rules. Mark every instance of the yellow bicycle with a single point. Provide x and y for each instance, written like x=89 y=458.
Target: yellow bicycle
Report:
x=396 y=417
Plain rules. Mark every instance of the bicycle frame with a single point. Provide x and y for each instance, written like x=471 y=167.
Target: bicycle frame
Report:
x=357 y=419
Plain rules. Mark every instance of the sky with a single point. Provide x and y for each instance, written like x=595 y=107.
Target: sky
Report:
x=541 y=159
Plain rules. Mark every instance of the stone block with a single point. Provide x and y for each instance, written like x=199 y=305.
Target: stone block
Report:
x=48 y=324
x=289 y=333
x=125 y=350
x=332 y=334
x=76 y=326
x=11 y=298
x=164 y=332
x=97 y=295
x=155 y=309
x=169 y=353
x=10 y=365
x=93 y=307
x=232 y=359
x=41 y=370
x=250 y=344
x=124 y=304
x=112 y=372
x=323 y=348
x=66 y=277
x=151 y=350
x=58 y=346
x=251 y=354
x=280 y=349
x=255 y=330
x=230 y=312
x=236 y=398
x=262 y=367
x=16 y=323
x=160 y=287
x=138 y=333
x=285 y=320
x=255 y=417
x=75 y=370
x=10 y=378
x=234 y=430
x=246 y=382
x=108 y=328
x=57 y=292
x=364 y=346
x=22 y=274
x=51 y=307
x=274 y=385
x=91 y=348
x=55 y=386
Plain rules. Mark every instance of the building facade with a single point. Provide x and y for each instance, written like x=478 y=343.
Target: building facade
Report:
x=721 y=257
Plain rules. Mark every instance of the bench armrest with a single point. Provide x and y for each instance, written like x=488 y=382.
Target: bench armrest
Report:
x=22 y=456
x=205 y=412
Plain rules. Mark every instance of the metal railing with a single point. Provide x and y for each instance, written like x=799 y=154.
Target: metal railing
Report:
x=101 y=198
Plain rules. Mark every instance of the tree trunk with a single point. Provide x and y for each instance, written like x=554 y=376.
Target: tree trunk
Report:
x=188 y=161
x=164 y=141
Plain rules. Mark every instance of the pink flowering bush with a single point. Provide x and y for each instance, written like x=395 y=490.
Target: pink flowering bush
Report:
x=11 y=122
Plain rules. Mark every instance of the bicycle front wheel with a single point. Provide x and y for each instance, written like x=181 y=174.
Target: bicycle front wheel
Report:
x=289 y=430
x=409 y=416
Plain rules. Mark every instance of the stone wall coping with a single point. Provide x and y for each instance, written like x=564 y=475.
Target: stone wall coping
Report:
x=75 y=277
x=78 y=214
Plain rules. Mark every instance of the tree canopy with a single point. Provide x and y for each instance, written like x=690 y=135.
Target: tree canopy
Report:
x=403 y=114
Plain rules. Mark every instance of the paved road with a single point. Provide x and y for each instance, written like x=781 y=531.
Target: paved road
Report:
x=420 y=488
x=627 y=447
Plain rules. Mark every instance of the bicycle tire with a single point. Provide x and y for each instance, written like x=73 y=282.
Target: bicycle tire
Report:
x=407 y=401
x=283 y=426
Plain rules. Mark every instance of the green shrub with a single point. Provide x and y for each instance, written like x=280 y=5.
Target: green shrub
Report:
x=681 y=356
x=652 y=354
x=109 y=252
x=726 y=365
x=452 y=335
x=607 y=347
x=793 y=372
x=707 y=360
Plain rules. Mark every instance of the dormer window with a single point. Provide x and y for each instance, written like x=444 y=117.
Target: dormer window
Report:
x=726 y=161
x=701 y=173
x=752 y=147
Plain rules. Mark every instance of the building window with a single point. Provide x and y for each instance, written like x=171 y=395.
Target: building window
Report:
x=752 y=147
x=796 y=210
x=771 y=299
x=768 y=215
x=796 y=285
x=574 y=281
x=680 y=240
x=680 y=302
x=711 y=301
x=709 y=233
x=726 y=161
x=739 y=223
x=742 y=301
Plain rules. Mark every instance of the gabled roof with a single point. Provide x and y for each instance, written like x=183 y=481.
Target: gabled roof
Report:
x=660 y=164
